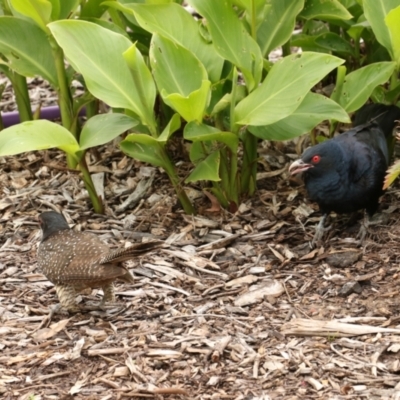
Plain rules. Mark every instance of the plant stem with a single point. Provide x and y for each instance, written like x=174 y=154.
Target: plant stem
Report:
x=253 y=20
x=64 y=96
x=116 y=18
x=233 y=100
x=173 y=177
x=394 y=79
x=286 y=49
x=337 y=93
x=97 y=202
x=249 y=167
x=22 y=96
x=224 y=174
x=340 y=76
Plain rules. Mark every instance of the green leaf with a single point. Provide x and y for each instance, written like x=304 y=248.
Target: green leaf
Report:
x=144 y=84
x=285 y=87
x=333 y=42
x=17 y=39
x=231 y=39
x=307 y=43
x=314 y=109
x=176 y=24
x=97 y=53
x=36 y=135
x=143 y=148
x=66 y=8
x=206 y=170
x=392 y=21
x=103 y=128
x=38 y=10
x=376 y=12
x=201 y=132
x=180 y=77
x=278 y=24
x=175 y=69
x=191 y=107
x=359 y=84
x=322 y=9
x=93 y=9
x=173 y=125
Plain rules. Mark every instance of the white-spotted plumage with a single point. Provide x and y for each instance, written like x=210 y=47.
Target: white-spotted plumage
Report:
x=73 y=261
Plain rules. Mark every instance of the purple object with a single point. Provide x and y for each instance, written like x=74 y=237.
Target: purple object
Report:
x=50 y=113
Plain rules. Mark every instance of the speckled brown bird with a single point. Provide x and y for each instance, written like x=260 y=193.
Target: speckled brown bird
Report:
x=74 y=261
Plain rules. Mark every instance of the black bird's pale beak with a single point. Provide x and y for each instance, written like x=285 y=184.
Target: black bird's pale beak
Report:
x=299 y=166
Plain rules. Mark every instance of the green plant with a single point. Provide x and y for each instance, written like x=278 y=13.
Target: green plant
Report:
x=161 y=70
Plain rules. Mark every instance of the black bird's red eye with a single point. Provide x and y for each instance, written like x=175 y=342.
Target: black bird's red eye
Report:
x=316 y=159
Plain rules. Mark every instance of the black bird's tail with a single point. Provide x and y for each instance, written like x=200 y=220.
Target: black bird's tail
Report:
x=384 y=116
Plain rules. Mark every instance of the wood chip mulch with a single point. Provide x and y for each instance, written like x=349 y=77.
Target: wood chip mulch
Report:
x=238 y=307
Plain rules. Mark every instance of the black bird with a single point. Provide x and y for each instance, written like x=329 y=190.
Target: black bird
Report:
x=346 y=173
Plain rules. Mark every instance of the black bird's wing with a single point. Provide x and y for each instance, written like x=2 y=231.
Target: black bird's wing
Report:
x=384 y=115
x=365 y=151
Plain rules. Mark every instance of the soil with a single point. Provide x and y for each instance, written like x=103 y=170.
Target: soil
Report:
x=238 y=307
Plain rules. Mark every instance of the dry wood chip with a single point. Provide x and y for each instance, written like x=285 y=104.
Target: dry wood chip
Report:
x=200 y=222
x=220 y=242
x=165 y=353
x=172 y=272
x=244 y=280
x=314 y=383
x=257 y=293
x=121 y=371
x=194 y=261
x=312 y=327
x=394 y=348
x=47 y=333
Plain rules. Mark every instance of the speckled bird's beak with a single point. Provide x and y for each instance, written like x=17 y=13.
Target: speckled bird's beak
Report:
x=299 y=166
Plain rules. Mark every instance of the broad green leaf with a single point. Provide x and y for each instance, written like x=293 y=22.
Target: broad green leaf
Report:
x=231 y=39
x=108 y=25
x=38 y=10
x=278 y=24
x=143 y=148
x=97 y=53
x=103 y=128
x=191 y=107
x=173 y=125
x=175 y=69
x=284 y=88
x=206 y=170
x=333 y=42
x=392 y=21
x=322 y=9
x=36 y=135
x=17 y=39
x=93 y=9
x=196 y=132
x=199 y=151
x=307 y=43
x=67 y=7
x=314 y=109
x=254 y=9
x=376 y=12
x=144 y=83
x=176 y=24
x=55 y=9
x=180 y=77
x=359 y=84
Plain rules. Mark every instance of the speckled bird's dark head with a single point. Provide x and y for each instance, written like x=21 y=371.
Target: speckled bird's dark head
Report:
x=51 y=222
